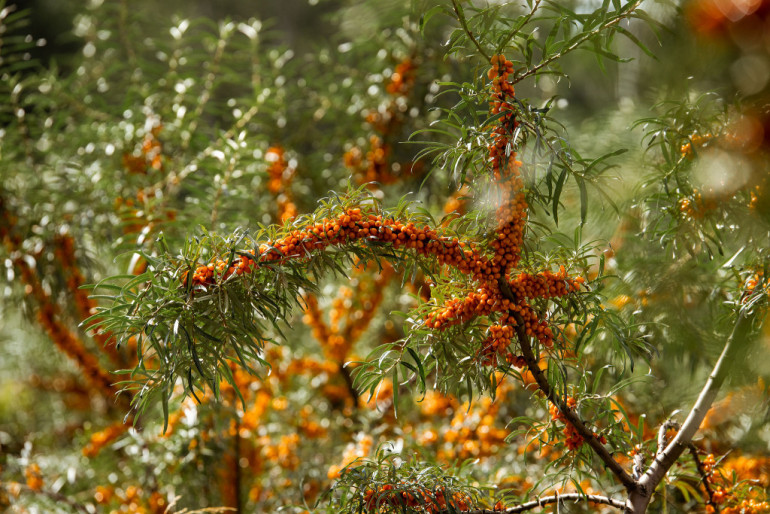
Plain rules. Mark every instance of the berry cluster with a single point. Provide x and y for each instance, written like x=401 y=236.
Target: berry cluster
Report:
x=398 y=497
x=402 y=80
x=754 y=281
x=350 y=226
x=572 y=439
x=280 y=175
x=723 y=495
x=64 y=250
x=355 y=307
x=373 y=165
x=104 y=437
x=132 y=499
x=284 y=453
x=149 y=155
x=33 y=477
x=488 y=272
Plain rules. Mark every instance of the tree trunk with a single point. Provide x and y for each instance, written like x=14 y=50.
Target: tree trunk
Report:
x=637 y=502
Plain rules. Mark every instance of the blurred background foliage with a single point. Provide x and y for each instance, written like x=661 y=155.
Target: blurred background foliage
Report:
x=177 y=117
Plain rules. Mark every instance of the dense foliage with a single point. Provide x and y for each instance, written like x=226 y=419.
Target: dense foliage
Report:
x=446 y=257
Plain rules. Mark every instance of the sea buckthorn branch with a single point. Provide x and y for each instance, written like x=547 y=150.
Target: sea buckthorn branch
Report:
x=280 y=175
x=353 y=228
x=374 y=167
x=665 y=459
x=570 y=415
x=379 y=485
x=65 y=251
x=337 y=342
x=48 y=311
x=461 y=18
x=557 y=498
x=704 y=475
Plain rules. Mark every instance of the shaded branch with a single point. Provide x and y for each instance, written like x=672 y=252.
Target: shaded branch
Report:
x=704 y=477
x=345 y=372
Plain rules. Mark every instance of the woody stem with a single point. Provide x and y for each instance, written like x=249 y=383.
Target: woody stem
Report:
x=571 y=416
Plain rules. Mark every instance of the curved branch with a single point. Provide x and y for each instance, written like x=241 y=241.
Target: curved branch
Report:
x=665 y=459
x=540 y=502
x=542 y=382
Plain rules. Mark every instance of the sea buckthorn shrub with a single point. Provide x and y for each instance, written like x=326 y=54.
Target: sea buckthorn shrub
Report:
x=385 y=265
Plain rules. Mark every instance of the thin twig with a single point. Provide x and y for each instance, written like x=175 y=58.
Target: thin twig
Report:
x=557 y=498
x=345 y=372
x=571 y=416
x=704 y=477
x=609 y=23
x=461 y=19
x=521 y=24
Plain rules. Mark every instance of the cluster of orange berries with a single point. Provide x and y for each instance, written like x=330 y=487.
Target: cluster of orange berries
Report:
x=131 y=499
x=572 y=439
x=696 y=141
x=748 y=506
x=756 y=469
x=280 y=175
x=392 y=498
x=374 y=164
x=511 y=217
x=149 y=156
x=753 y=281
x=64 y=249
x=104 y=437
x=744 y=469
x=284 y=453
x=49 y=317
x=335 y=340
x=402 y=80
x=472 y=432
x=474 y=435
x=457 y=202
x=49 y=313
x=352 y=225
x=695 y=206
x=33 y=477
x=438 y=404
